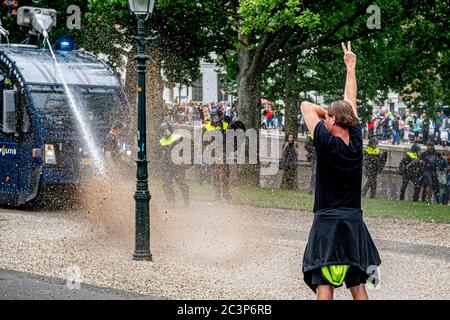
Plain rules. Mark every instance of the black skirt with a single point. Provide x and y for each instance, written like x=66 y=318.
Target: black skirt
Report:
x=339 y=236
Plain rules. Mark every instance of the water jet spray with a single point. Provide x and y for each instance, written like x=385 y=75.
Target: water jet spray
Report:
x=42 y=21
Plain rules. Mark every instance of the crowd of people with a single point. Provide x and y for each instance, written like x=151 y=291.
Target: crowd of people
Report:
x=272 y=118
x=194 y=113
x=384 y=125
x=410 y=127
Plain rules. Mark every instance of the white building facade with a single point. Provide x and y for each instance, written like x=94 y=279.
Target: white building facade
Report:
x=205 y=90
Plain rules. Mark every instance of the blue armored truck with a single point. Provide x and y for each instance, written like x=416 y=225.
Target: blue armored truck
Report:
x=41 y=142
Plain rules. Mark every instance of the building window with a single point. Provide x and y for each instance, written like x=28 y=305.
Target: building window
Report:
x=197 y=90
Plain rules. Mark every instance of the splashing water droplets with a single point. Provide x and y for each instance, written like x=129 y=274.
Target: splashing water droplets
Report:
x=85 y=130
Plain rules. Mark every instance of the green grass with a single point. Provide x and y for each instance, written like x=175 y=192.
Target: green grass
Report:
x=283 y=199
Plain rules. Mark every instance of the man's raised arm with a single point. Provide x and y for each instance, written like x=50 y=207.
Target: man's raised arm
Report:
x=312 y=113
x=350 y=82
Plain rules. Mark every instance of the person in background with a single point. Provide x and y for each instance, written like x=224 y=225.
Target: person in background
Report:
x=417 y=127
x=170 y=171
x=195 y=115
x=429 y=159
x=443 y=177
x=311 y=157
x=378 y=127
x=201 y=114
x=228 y=111
x=408 y=119
x=374 y=161
x=387 y=126
x=290 y=157
x=443 y=131
x=269 y=118
x=396 y=131
x=446 y=155
x=220 y=171
x=437 y=127
x=425 y=129
x=302 y=125
x=406 y=131
x=371 y=127
x=275 y=118
x=112 y=145
x=411 y=173
x=280 y=120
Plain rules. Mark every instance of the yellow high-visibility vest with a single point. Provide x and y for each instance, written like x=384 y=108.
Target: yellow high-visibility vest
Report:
x=412 y=155
x=371 y=150
x=209 y=127
x=168 y=141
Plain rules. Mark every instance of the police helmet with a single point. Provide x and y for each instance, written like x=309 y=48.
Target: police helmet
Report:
x=415 y=147
x=373 y=141
x=227 y=119
x=235 y=125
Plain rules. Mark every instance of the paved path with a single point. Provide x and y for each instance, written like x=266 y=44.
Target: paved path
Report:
x=203 y=253
x=26 y=286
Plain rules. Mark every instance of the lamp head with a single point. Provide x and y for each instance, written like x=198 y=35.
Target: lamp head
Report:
x=141 y=7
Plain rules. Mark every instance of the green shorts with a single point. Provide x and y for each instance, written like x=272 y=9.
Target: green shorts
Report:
x=353 y=277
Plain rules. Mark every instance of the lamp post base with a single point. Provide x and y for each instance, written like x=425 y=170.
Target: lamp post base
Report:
x=142 y=256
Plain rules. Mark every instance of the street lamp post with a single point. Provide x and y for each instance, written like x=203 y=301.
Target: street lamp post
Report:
x=142 y=9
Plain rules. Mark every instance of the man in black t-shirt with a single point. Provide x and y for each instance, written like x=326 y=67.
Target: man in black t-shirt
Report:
x=339 y=246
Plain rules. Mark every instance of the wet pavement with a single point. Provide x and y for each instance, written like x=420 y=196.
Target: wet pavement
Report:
x=210 y=251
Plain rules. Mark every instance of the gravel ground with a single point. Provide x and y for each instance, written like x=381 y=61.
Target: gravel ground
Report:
x=201 y=253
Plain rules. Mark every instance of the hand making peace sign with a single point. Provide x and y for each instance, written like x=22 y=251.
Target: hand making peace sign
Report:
x=349 y=56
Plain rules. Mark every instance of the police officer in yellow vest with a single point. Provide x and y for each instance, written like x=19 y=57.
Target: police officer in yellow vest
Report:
x=373 y=163
x=171 y=171
x=220 y=172
x=411 y=171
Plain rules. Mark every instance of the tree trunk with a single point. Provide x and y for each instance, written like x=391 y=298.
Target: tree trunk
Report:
x=249 y=110
x=290 y=175
x=292 y=97
x=250 y=101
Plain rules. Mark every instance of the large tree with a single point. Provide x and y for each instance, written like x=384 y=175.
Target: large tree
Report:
x=291 y=36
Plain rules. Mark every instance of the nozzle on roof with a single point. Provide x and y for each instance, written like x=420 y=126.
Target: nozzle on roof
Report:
x=40 y=20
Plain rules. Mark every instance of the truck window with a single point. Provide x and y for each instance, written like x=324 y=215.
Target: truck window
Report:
x=23 y=113
x=54 y=110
